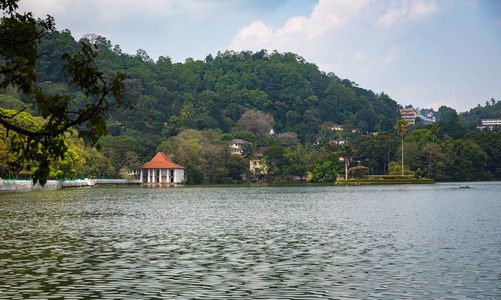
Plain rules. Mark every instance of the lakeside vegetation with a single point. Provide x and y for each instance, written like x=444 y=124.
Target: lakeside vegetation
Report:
x=384 y=181
x=192 y=110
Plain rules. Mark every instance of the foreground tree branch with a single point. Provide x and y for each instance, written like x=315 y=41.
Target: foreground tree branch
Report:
x=37 y=145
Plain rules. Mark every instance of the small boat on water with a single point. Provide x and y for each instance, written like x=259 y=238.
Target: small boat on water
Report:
x=463 y=187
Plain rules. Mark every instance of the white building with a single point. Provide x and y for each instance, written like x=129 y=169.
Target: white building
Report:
x=161 y=170
x=256 y=164
x=491 y=122
x=236 y=146
x=428 y=118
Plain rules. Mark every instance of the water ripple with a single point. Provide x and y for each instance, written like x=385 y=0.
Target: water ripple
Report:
x=260 y=243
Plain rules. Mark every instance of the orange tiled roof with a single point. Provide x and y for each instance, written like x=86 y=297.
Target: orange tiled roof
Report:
x=161 y=161
x=261 y=151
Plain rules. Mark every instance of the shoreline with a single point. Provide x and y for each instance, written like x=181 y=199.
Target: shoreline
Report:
x=383 y=182
x=27 y=185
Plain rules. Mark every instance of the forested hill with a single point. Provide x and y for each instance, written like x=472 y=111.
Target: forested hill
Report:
x=192 y=111
x=214 y=93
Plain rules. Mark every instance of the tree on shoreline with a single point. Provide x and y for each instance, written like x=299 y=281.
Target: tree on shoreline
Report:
x=20 y=37
x=402 y=128
x=346 y=152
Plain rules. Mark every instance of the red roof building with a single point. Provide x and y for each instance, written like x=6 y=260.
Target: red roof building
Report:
x=161 y=170
x=409 y=115
x=338 y=141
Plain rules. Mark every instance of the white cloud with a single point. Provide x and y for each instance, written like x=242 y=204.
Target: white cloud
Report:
x=392 y=55
x=420 y=10
x=52 y=7
x=122 y=10
x=392 y=16
x=359 y=57
x=403 y=11
x=257 y=31
x=328 y=15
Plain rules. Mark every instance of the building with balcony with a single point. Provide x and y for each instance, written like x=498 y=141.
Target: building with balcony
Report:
x=236 y=146
x=409 y=115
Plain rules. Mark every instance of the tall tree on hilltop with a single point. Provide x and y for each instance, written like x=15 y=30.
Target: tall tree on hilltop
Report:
x=402 y=128
x=257 y=122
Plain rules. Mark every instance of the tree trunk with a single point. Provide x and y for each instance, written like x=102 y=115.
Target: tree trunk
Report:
x=402 y=156
x=345 y=168
x=429 y=166
x=388 y=163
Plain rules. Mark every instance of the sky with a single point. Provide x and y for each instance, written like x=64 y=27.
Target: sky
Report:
x=424 y=53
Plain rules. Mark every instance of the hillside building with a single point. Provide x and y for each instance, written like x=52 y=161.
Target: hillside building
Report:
x=338 y=141
x=409 y=115
x=490 y=123
x=428 y=118
x=236 y=146
x=256 y=164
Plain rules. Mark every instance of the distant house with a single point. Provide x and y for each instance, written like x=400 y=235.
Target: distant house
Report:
x=337 y=127
x=427 y=118
x=338 y=141
x=236 y=146
x=255 y=164
x=161 y=170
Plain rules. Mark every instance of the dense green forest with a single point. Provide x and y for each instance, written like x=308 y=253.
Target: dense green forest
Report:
x=192 y=111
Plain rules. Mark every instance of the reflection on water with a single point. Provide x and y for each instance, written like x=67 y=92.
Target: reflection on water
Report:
x=261 y=243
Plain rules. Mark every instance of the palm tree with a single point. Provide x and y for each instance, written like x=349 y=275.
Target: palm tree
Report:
x=248 y=152
x=346 y=152
x=434 y=130
x=402 y=128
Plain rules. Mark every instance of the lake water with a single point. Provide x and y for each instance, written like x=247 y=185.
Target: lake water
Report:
x=289 y=242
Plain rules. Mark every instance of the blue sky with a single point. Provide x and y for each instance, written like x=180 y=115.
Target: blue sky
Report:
x=422 y=52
